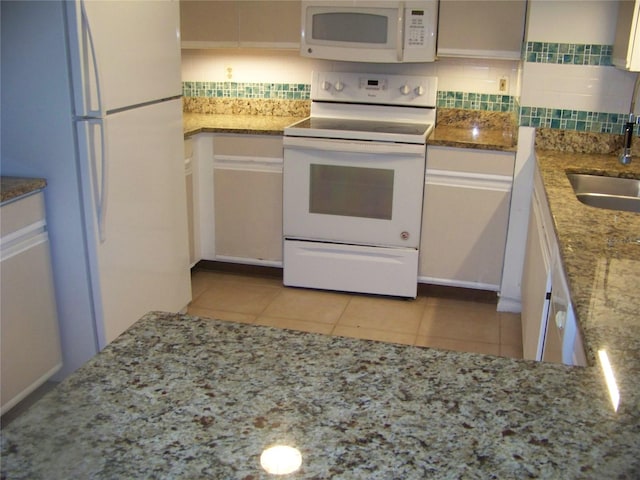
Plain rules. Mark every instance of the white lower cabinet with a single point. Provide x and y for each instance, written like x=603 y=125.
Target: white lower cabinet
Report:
x=465 y=217
x=549 y=328
x=536 y=275
x=247 y=198
x=191 y=201
x=30 y=341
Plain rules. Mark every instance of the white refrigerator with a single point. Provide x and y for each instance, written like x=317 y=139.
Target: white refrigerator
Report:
x=91 y=101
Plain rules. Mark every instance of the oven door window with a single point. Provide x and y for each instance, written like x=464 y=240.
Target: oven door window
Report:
x=351 y=191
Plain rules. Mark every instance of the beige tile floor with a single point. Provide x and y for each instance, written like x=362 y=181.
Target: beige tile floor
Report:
x=451 y=319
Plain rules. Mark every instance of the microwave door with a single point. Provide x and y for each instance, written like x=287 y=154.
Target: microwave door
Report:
x=369 y=31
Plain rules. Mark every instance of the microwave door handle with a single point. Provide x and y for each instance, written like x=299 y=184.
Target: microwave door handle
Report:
x=400 y=33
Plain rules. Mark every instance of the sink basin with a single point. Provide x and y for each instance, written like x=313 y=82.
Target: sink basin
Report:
x=612 y=193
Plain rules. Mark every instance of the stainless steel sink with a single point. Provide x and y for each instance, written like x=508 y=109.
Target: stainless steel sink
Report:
x=612 y=193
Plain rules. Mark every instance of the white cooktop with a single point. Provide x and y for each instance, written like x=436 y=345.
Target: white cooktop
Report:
x=357 y=129
x=362 y=106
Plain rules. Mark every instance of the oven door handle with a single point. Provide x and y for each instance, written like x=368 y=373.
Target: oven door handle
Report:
x=353 y=146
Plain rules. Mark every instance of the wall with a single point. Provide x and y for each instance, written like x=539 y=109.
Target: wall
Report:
x=461 y=82
x=565 y=80
x=568 y=81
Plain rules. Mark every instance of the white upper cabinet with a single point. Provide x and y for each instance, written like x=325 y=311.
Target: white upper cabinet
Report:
x=626 y=48
x=481 y=29
x=216 y=24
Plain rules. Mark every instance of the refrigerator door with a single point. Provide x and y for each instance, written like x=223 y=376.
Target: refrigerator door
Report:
x=123 y=53
x=143 y=257
x=38 y=140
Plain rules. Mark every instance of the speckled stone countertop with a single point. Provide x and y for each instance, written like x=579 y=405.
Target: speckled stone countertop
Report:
x=455 y=127
x=600 y=251
x=182 y=397
x=479 y=130
x=233 y=123
x=236 y=115
x=15 y=187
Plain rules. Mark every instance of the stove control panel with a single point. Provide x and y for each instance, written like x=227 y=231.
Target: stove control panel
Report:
x=375 y=88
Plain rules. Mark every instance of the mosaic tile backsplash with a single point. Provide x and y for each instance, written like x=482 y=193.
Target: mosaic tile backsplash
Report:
x=476 y=101
x=568 y=53
x=279 y=91
x=580 y=121
x=300 y=91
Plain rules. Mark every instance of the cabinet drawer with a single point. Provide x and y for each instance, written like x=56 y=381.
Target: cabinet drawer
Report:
x=255 y=146
x=470 y=161
x=22 y=213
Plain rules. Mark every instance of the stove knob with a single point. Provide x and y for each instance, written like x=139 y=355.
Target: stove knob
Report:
x=326 y=85
x=339 y=86
x=405 y=89
x=419 y=90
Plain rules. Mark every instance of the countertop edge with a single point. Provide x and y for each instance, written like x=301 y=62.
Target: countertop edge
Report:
x=13 y=188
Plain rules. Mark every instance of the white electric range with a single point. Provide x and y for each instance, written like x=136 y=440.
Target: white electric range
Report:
x=354 y=182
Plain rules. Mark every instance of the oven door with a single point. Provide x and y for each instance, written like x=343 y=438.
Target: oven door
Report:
x=355 y=192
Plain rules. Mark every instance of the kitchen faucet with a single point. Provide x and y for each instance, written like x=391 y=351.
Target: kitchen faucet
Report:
x=625 y=156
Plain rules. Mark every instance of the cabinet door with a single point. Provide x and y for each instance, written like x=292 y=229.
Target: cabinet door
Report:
x=215 y=24
x=207 y=24
x=536 y=280
x=30 y=342
x=465 y=217
x=626 y=47
x=191 y=200
x=481 y=29
x=248 y=214
x=274 y=23
x=463 y=235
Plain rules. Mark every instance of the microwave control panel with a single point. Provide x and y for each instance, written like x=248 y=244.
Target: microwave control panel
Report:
x=420 y=29
x=416 y=28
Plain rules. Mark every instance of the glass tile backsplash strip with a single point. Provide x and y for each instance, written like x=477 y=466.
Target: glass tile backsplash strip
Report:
x=568 y=53
x=578 y=120
x=475 y=101
x=280 y=91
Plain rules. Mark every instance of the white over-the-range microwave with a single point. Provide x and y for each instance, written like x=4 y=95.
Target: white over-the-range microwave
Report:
x=376 y=31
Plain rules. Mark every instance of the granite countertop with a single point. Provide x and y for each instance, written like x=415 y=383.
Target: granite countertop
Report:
x=455 y=128
x=600 y=252
x=478 y=138
x=233 y=123
x=479 y=130
x=184 y=397
x=12 y=188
